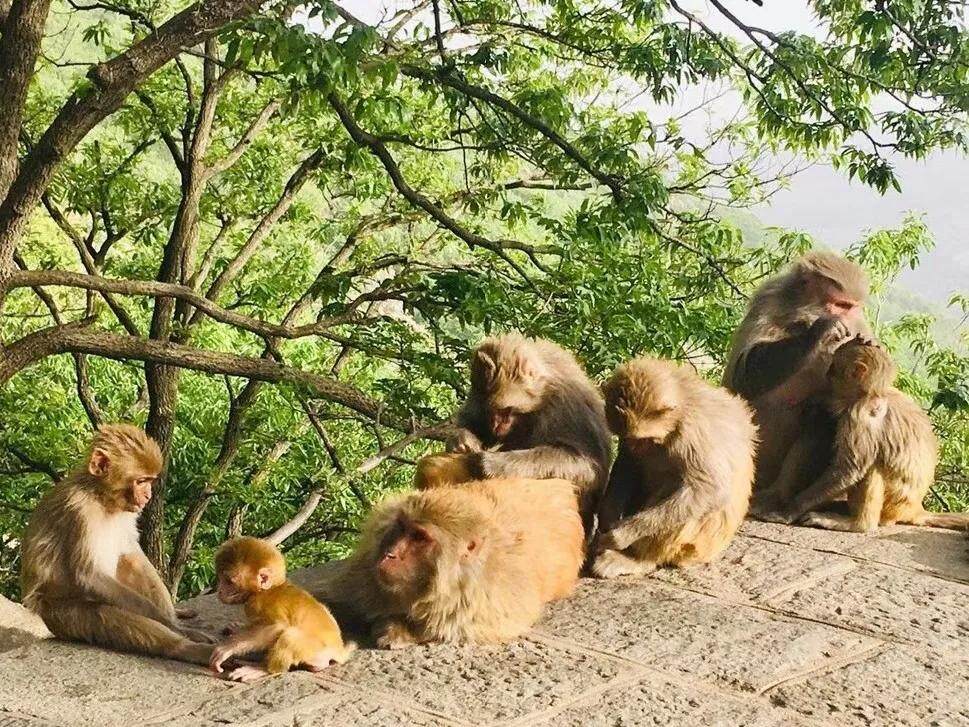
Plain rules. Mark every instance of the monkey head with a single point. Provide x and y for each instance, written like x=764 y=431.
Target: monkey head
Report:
x=245 y=566
x=124 y=464
x=422 y=543
x=643 y=402
x=859 y=367
x=511 y=379
x=828 y=285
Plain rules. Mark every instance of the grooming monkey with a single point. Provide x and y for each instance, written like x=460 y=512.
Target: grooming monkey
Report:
x=779 y=360
x=295 y=628
x=885 y=451
x=473 y=563
x=84 y=572
x=532 y=413
x=680 y=486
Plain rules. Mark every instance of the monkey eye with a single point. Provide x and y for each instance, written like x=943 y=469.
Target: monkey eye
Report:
x=844 y=304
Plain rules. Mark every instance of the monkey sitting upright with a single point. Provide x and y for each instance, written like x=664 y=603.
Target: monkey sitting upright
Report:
x=84 y=572
x=885 y=451
x=532 y=413
x=681 y=484
x=295 y=628
x=473 y=563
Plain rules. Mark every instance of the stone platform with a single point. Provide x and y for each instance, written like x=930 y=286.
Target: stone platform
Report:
x=793 y=627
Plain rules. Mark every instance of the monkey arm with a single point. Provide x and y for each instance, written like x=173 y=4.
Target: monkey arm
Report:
x=623 y=483
x=112 y=591
x=538 y=462
x=847 y=469
x=254 y=637
x=683 y=504
x=137 y=572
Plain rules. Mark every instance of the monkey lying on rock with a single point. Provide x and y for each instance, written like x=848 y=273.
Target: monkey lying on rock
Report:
x=884 y=455
x=474 y=563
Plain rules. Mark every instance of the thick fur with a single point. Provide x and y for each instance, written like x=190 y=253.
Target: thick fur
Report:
x=778 y=310
x=885 y=451
x=293 y=627
x=84 y=572
x=529 y=551
x=561 y=432
x=691 y=488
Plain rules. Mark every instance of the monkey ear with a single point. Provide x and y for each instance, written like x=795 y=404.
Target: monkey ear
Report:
x=860 y=369
x=264 y=578
x=487 y=364
x=470 y=548
x=99 y=463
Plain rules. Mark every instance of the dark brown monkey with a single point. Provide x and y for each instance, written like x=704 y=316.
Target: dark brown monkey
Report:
x=532 y=413
x=473 y=563
x=779 y=360
x=680 y=486
x=885 y=451
x=83 y=571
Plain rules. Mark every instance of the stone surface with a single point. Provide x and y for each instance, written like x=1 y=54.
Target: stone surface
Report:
x=791 y=627
x=18 y=626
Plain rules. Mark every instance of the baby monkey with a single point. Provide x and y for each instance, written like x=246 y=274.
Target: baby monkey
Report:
x=681 y=483
x=295 y=628
x=885 y=451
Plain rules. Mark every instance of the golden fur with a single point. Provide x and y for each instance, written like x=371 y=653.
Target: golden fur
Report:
x=689 y=481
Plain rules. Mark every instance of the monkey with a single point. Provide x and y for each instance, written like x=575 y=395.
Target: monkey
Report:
x=681 y=483
x=778 y=362
x=84 y=572
x=295 y=628
x=885 y=451
x=468 y=564
x=532 y=412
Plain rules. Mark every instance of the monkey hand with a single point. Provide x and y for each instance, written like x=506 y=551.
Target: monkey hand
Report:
x=834 y=334
x=220 y=654
x=771 y=513
x=464 y=441
x=185 y=613
x=394 y=635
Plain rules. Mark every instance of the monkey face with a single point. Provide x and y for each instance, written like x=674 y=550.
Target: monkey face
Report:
x=829 y=298
x=231 y=591
x=511 y=381
x=407 y=554
x=126 y=482
x=245 y=566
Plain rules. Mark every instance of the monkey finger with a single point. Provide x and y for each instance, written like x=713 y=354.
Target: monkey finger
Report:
x=196 y=635
x=185 y=613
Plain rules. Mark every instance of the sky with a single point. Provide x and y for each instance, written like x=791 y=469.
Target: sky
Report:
x=823 y=202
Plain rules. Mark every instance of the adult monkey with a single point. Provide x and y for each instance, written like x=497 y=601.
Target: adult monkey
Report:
x=83 y=571
x=779 y=360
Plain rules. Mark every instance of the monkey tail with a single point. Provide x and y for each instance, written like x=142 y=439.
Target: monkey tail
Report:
x=953 y=520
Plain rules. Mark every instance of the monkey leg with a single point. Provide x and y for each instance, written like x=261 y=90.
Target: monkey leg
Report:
x=114 y=628
x=137 y=572
x=615 y=563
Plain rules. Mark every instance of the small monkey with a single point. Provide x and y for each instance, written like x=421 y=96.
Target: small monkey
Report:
x=779 y=359
x=473 y=563
x=885 y=451
x=84 y=572
x=680 y=486
x=532 y=413
x=295 y=628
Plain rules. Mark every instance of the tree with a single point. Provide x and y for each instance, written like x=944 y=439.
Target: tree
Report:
x=232 y=196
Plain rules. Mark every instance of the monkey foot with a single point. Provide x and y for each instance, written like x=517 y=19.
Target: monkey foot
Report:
x=245 y=674
x=612 y=564
x=395 y=636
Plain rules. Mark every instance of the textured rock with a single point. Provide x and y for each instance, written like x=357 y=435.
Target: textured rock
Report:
x=18 y=626
x=792 y=626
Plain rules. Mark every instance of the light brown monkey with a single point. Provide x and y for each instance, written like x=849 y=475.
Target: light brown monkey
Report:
x=83 y=570
x=884 y=455
x=533 y=413
x=680 y=486
x=283 y=619
x=779 y=360
x=473 y=563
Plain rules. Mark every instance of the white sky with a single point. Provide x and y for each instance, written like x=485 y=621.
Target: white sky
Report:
x=822 y=201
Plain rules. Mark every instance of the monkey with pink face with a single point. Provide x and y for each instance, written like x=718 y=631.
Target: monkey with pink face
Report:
x=779 y=362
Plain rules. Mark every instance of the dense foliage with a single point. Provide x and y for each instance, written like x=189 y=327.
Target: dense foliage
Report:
x=279 y=249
